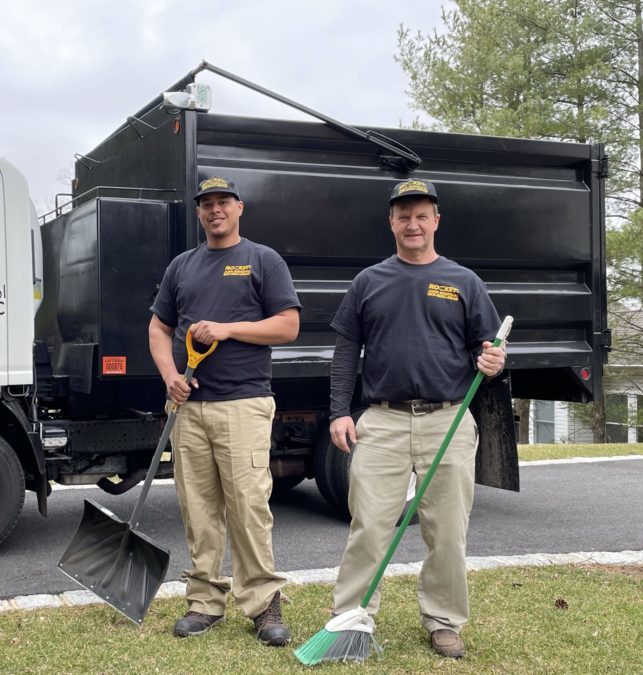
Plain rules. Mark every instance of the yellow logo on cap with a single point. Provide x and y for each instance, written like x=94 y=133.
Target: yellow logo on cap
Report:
x=214 y=183
x=415 y=185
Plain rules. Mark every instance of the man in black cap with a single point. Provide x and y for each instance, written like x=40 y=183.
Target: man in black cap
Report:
x=238 y=293
x=425 y=324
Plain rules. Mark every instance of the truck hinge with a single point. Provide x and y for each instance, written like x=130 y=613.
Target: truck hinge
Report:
x=606 y=340
x=397 y=163
x=603 y=167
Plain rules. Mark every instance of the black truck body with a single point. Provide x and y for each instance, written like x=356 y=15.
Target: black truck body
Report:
x=526 y=216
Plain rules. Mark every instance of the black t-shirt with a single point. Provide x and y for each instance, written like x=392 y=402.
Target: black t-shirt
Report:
x=420 y=325
x=245 y=282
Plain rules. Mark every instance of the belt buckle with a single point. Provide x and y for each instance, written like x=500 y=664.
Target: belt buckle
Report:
x=416 y=410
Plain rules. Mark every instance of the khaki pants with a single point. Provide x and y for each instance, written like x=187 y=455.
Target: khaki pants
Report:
x=221 y=468
x=390 y=444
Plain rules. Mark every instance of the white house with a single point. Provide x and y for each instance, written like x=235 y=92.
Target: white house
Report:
x=555 y=422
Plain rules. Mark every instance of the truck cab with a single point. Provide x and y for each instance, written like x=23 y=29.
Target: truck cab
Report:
x=21 y=289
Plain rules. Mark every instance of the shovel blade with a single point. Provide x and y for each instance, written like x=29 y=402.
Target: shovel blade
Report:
x=120 y=565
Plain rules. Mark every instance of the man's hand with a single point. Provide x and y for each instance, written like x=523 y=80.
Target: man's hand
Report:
x=342 y=432
x=492 y=360
x=177 y=388
x=275 y=330
x=206 y=332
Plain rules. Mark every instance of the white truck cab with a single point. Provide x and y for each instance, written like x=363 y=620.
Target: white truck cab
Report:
x=20 y=277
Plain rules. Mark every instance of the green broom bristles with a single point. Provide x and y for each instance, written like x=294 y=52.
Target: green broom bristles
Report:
x=346 y=637
x=347 y=645
x=313 y=650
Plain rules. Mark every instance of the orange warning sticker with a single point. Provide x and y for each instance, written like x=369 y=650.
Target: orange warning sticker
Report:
x=114 y=365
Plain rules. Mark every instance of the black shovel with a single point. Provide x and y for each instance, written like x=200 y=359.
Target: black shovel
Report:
x=108 y=556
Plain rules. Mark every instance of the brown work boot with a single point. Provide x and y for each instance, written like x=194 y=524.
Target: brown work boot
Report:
x=269 y=625
x=448 y=643
x=196 y=623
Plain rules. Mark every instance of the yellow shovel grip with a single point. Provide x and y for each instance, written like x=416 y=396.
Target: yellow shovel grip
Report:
x=194 y=357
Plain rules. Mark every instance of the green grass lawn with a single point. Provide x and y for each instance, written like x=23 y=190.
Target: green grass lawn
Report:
x=523 y=621
x=567 y=450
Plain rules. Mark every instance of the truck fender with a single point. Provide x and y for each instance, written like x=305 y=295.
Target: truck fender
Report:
x=27 y=445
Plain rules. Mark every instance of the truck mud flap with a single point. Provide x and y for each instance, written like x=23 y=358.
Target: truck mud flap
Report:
x=497 y=457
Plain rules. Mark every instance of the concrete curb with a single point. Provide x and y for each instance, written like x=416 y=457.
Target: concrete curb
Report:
x=172 y=589
x=578 y=460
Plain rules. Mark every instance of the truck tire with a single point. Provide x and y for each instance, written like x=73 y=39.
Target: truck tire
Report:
x=332 y=475
x=323 y=460
x=342 y=467
x=12 y=489
x=281 y=486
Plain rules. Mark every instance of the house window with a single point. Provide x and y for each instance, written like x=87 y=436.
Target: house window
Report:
x=616 y=417
x=544 y=427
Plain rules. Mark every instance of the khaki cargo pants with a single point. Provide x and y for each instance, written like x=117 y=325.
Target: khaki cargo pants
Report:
x=390 y=443
x=221 y=468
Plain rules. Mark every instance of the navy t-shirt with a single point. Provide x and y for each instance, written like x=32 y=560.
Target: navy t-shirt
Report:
x=244 y=282
x=420 y=325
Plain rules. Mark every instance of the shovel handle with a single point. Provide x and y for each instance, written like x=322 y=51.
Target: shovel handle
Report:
x=194 y=357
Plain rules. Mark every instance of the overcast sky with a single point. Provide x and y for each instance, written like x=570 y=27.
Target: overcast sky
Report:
x=71 y=71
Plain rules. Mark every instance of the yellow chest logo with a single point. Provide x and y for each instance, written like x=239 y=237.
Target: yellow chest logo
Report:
x=237 y=270
x=444 y=292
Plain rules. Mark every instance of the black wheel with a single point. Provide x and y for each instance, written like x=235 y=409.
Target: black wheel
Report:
x=336 y=479
x=341 y=479
x=280 y=486
x=323 y=460
x=12 y=489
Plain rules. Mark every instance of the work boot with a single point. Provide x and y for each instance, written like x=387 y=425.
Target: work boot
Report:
x=196 y=623
x=448 y=643
x=269 y=625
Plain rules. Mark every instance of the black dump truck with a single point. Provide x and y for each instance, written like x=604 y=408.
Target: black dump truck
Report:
x=526 y=216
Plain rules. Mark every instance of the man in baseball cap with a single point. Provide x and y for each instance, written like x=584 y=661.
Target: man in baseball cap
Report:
x=217 y=184
x=239 y=294
x=415 y=188
x=420 y=318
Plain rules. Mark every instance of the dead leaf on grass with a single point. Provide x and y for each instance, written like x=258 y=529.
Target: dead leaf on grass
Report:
x=635 y=570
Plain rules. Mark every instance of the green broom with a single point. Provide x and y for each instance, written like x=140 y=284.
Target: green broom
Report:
x=349 y=636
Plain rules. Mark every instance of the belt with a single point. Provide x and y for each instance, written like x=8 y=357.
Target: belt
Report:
x=418 y=406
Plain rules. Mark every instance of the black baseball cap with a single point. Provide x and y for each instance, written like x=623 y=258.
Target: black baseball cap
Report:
x=216 y=184
x=416 y=188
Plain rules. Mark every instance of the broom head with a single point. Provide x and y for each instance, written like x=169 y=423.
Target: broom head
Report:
x=346 y=637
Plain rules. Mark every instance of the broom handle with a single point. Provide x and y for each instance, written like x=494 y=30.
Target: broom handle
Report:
x=502 y=334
